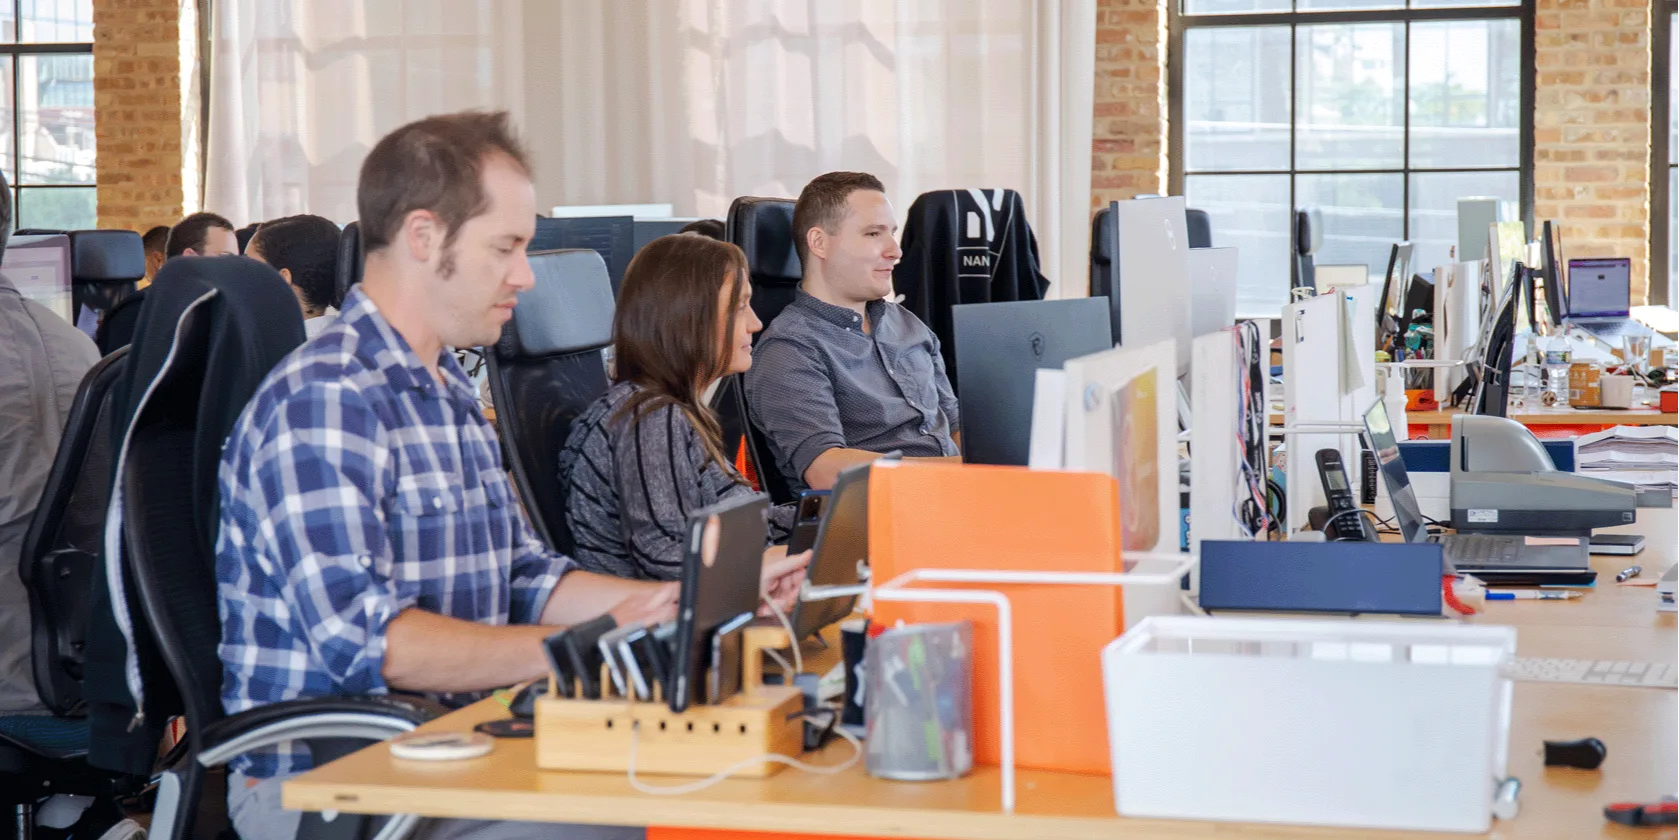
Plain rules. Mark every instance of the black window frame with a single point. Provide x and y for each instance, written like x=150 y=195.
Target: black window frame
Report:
x=16 y=50
x=1179 y=23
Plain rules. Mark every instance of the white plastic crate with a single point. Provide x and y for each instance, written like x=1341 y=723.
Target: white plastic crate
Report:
x=1344 y=723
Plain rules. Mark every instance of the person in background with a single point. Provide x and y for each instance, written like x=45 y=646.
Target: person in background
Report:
x=244 y=234
x=42 y=361
x=649 y=452
x=709 y=228
x=201 y=235
x=304 y=249
x=156 y=241
x=842 y=374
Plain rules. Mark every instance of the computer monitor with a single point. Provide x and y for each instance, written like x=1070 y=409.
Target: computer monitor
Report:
x=613 y=237
x=1493 y=373
x=1121 y=419
x=1599 y=288
x=39 y=267
x=999 y=349
x=1212 y=290
x=1147 y=275
x=647 y=230
x=1556 y=294
x=1389 y=308
x=1391 y=465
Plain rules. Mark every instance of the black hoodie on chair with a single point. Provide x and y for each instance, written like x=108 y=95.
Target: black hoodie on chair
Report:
x=966 y=246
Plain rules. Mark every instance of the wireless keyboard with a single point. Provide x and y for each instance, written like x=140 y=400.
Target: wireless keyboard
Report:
x=1592 y=672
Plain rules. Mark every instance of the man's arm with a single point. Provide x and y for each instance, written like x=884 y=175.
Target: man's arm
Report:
x=428 y=652
x=791 y=399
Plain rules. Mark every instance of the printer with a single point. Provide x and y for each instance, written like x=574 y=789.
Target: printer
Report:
x=1503 y=482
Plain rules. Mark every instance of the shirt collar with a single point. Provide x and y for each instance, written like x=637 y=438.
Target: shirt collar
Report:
x=387 y=351
x=839 y=316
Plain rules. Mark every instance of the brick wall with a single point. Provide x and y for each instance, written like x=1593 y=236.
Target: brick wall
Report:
x=1591 y=128
x=138 y=108
x=1129 y=148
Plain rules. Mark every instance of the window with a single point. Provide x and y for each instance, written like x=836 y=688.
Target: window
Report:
x=1381 y=113
x=46 y=81
x=1664 y=156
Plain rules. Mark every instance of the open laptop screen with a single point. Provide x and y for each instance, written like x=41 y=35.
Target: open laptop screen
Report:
x=1599 y=287
x=1392 y=466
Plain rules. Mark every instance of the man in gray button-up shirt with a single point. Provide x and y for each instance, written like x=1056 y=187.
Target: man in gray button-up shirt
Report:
x=42 y=360
x=842 y=375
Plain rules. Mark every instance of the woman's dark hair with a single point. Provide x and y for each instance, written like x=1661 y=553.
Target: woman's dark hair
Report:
x=664 y=333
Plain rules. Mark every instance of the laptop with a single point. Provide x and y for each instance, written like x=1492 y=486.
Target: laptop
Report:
x=1600 y=296
x=1494 y=558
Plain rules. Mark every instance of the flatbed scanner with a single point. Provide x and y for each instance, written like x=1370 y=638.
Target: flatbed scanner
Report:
x=1503 y=482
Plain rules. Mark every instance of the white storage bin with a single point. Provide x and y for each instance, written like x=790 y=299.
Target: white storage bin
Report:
x=1366 y=724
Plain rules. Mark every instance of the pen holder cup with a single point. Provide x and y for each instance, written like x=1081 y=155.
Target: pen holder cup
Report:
x=918 y=686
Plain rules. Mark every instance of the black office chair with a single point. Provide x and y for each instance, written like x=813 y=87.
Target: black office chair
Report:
x=183 y=408
x=546 y=369
x=45 y=754
x=1199 y=223
x=105 y=265
x=351 y=260
x=763 y=228
x=728 y=402
x=1308 y=241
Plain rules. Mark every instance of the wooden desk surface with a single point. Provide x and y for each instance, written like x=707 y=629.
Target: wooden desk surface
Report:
x=1613 y=622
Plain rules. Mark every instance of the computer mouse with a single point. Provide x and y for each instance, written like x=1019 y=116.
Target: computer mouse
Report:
x=524 y=702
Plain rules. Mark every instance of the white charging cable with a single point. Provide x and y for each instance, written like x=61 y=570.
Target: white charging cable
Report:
x=798 y=658
x=702 y=784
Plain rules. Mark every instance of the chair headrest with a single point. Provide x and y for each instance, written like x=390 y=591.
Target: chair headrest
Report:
x=1103 y=236
x=348 y=271
x=1200 y=227
x=569 y=311
x=1308 y=231
x=763 y=228
x=107 y=256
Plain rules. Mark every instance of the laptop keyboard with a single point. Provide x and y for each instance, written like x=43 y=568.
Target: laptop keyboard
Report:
x=1614 y=329
x=1592 y=672
x=1480 y=550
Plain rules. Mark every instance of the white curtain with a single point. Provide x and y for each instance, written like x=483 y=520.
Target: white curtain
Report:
x=686 y=102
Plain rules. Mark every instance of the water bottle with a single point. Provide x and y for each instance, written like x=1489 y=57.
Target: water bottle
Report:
x=1558 y=356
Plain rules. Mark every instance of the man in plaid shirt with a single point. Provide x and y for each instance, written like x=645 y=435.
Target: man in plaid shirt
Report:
x=369 y=539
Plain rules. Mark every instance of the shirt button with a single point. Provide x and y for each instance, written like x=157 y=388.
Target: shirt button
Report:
x=365 y=561
x=925 y=429
x=436 y=502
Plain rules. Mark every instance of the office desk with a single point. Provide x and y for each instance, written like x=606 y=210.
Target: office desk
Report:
x=1439 y=423
x=1637 y=725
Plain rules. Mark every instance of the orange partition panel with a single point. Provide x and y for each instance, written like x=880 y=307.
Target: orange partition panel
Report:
x=951 y=516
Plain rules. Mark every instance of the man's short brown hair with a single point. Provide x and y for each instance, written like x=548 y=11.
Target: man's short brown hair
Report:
x=822 y=204
x=434 y=164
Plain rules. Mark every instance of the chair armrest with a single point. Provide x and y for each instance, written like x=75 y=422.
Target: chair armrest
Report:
x=372 y=718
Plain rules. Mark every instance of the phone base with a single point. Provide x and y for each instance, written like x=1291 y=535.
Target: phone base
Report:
x=594 y=735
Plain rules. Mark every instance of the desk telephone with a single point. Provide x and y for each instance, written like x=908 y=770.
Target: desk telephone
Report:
x=1342 y=520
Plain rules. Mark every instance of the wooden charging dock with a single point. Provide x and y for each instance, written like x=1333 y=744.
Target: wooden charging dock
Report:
x=596 y=734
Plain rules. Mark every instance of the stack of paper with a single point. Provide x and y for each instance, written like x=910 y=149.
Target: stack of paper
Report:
x=1644 y=456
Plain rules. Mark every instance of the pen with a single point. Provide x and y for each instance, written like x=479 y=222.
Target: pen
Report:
x=1628 y=574
x=1531 y=595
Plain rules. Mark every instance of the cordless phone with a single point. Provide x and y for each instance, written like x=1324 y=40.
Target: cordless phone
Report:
x=1339 y=492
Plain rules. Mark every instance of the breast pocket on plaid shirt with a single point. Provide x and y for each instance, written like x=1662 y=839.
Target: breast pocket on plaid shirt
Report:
x=426 y=513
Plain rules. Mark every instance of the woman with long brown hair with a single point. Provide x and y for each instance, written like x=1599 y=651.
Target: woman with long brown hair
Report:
x=649 y=452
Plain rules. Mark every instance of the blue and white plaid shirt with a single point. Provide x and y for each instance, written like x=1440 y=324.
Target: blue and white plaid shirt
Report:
x=352 y=488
